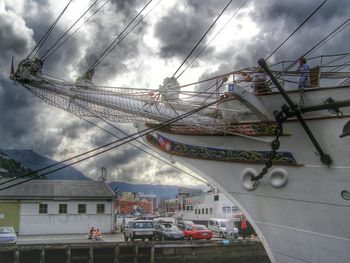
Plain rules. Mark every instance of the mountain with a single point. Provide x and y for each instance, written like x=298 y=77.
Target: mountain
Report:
x=34 y=161
x=10 y=168
x=161 y=191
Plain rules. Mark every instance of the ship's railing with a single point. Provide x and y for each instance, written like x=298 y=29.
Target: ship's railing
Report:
x=325 y=71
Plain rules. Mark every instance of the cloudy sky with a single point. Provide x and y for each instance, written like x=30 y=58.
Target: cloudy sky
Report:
x=153 y=51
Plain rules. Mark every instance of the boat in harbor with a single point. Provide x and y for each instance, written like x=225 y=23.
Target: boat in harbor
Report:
x=201 y=208
x=296 y=194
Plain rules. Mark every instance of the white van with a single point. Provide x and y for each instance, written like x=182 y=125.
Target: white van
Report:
x=225 y=228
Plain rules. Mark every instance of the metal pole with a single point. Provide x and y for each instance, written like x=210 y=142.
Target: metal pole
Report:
x=283 y=73
x=116 y=254
x=16 y=256
x=91 y=254
x=152 y=254
x=69 y=252
x=136 y=257
x=325 y=158
x=332 y=105
x=42 y=255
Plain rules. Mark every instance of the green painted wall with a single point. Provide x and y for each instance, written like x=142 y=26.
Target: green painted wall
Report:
x=9 y=214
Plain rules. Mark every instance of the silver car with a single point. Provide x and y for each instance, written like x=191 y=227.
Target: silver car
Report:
x=139 y=229
x=7 y=235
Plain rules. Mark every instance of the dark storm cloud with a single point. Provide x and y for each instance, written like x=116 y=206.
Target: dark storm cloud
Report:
x=278 y=19
x=15 y=38
x=179 y=31
x=106 y=33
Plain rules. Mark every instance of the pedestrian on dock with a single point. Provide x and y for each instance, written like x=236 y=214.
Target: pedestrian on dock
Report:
x=244 y=226
x=91 y=232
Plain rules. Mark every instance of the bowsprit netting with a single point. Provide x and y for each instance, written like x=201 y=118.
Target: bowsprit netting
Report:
x=116 y=104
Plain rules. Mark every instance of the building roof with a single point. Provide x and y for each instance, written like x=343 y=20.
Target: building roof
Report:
x=189 y=191
x=56 y=189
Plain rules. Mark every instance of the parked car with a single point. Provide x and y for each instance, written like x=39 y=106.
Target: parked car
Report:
x=167 y=230
x=139 y=229
x=225 y=228
x=7 y=235
x=197 y=232
x=181 y=224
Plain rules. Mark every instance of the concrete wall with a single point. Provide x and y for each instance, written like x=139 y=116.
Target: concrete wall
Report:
x=33 y=223
x=9 y=214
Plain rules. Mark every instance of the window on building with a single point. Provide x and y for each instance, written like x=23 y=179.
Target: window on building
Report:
x=226 y=209
x=202 y=211
x=235 y=209
x=216 y=197
x=62 y=208
x=42 y=208
x=81 y=208
x=100 y=208
x=199 y=211
x=195 y=211
x=211 y=210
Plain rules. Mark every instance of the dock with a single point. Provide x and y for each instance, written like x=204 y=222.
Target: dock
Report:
x=218 y=251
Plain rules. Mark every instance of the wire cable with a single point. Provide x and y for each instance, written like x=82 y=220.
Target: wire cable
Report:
x=69 y=36
x=123 y=37
x=273 y=52
x=123 y=141
x=200 y=40
x=60 y=38
x=101 y=57
x=41 y=42
x=211 y=40
x=139 y=148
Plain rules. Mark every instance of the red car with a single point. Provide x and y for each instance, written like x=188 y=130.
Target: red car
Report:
x=197 y=232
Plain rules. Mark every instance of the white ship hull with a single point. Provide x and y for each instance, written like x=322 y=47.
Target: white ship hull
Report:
x=306 y=220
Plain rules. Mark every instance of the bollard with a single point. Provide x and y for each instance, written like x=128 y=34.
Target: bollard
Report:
x=116 y=254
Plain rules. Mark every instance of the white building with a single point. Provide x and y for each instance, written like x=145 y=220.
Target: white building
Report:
x=62 y=206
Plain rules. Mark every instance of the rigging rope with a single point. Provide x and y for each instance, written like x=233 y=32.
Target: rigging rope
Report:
x=102 y=56
x=69 y=36
x=183 y=62
x=139 y=148
x=313 y=48
x=59 y=39
x=297 y=29
x=111 y=144
x=205 y=47
x=123 y=37
x=325 y=39
x=41 y=42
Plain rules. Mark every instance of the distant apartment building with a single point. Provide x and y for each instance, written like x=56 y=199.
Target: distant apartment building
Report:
x=125 y=207
x=128 y=196
x=169 y=205
x=40 y=207
x=150 y=198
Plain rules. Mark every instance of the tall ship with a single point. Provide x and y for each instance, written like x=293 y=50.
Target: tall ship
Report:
x=280 y=155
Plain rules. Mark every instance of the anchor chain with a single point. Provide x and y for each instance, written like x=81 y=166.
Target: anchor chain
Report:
x=332 y=108
x=275 y=144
